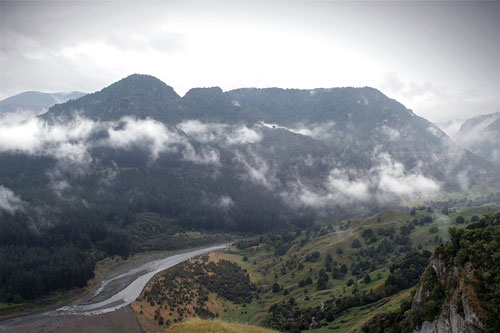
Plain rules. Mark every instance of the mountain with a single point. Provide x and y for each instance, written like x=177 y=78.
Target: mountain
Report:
x=481 y=135
x=140 y=96
x=352 y=124
x=33 y=103
x=134 y=166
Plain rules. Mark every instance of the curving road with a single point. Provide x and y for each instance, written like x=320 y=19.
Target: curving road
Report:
x=123 y=297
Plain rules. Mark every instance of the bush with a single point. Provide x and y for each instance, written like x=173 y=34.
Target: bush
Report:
x=313 y=257
x=356 y=244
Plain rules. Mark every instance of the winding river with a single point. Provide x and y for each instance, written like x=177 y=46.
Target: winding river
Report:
x=123 y=297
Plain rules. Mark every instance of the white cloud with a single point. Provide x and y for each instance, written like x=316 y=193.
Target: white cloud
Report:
x=148 y=133
x=435 y=131
x=71 y=141
x=206 y=155
x=478 y=133
x=451 y=127
x=258 y=170
x=225 y=202
x=340 y=182
x=393 y=182
x=34 y=136
x=9 y=201
x=315 y=131
x=392 y=133
x=221 y=133
x=387 y=181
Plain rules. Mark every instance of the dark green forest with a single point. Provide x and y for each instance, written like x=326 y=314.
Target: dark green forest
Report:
x=55 y=243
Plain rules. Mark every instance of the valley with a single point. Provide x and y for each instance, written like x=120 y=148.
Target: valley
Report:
x=333 y=200
x=290 y=291
x=249 y=166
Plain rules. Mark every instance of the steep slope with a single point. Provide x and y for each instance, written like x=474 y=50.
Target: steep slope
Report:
x=481 y=135
x=460 y=289
x=355 y=122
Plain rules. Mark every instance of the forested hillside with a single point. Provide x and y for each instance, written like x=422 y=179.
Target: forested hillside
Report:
x=135 y=167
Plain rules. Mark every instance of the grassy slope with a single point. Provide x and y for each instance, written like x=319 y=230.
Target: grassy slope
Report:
x=216 y=326
x=267 y=266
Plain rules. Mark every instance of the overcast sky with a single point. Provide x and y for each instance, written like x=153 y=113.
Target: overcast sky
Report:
x=440 y=59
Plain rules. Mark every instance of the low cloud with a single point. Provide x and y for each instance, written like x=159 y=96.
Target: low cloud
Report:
x=315 y=131
x=451 y=127
x=434 y=130
x=387 y=182
x=392 y=83
x=478 y=133
x=70 y=142
x=258 y=169
x=393 y=182
x=391 y=133
x=148 y=133
x=34 y=136
x=225 y=202
x=206 y=155
x=220 y=133
x=9 y=201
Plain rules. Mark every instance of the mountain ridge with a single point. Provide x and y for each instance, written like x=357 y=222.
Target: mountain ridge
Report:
x=352 y=122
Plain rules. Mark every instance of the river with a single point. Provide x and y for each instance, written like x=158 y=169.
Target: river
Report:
x=123 y=297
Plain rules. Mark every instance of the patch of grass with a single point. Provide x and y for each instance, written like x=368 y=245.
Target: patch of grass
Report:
x=355 y=318
x=216 y=326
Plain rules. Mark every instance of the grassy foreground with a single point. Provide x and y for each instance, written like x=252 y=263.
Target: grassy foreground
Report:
x=216 y=326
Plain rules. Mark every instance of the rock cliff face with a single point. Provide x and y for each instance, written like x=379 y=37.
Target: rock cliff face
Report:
x=459 y=290
x=459 y=310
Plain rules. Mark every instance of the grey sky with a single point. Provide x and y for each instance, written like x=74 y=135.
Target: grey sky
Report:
x=438 y=58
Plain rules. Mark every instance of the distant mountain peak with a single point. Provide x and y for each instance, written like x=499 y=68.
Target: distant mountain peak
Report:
x=32 y=103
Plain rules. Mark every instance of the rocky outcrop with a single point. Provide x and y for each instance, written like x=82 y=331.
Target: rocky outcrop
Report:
x=460 y=310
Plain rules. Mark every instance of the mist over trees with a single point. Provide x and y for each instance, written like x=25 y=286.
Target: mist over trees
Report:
x=92 y=175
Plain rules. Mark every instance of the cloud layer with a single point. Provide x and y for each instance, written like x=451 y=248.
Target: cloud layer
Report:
x=196 y=142
x=70 y=142
x=9 y=201
x=386 y=182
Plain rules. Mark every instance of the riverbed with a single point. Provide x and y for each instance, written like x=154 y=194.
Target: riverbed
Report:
x=109 y=296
